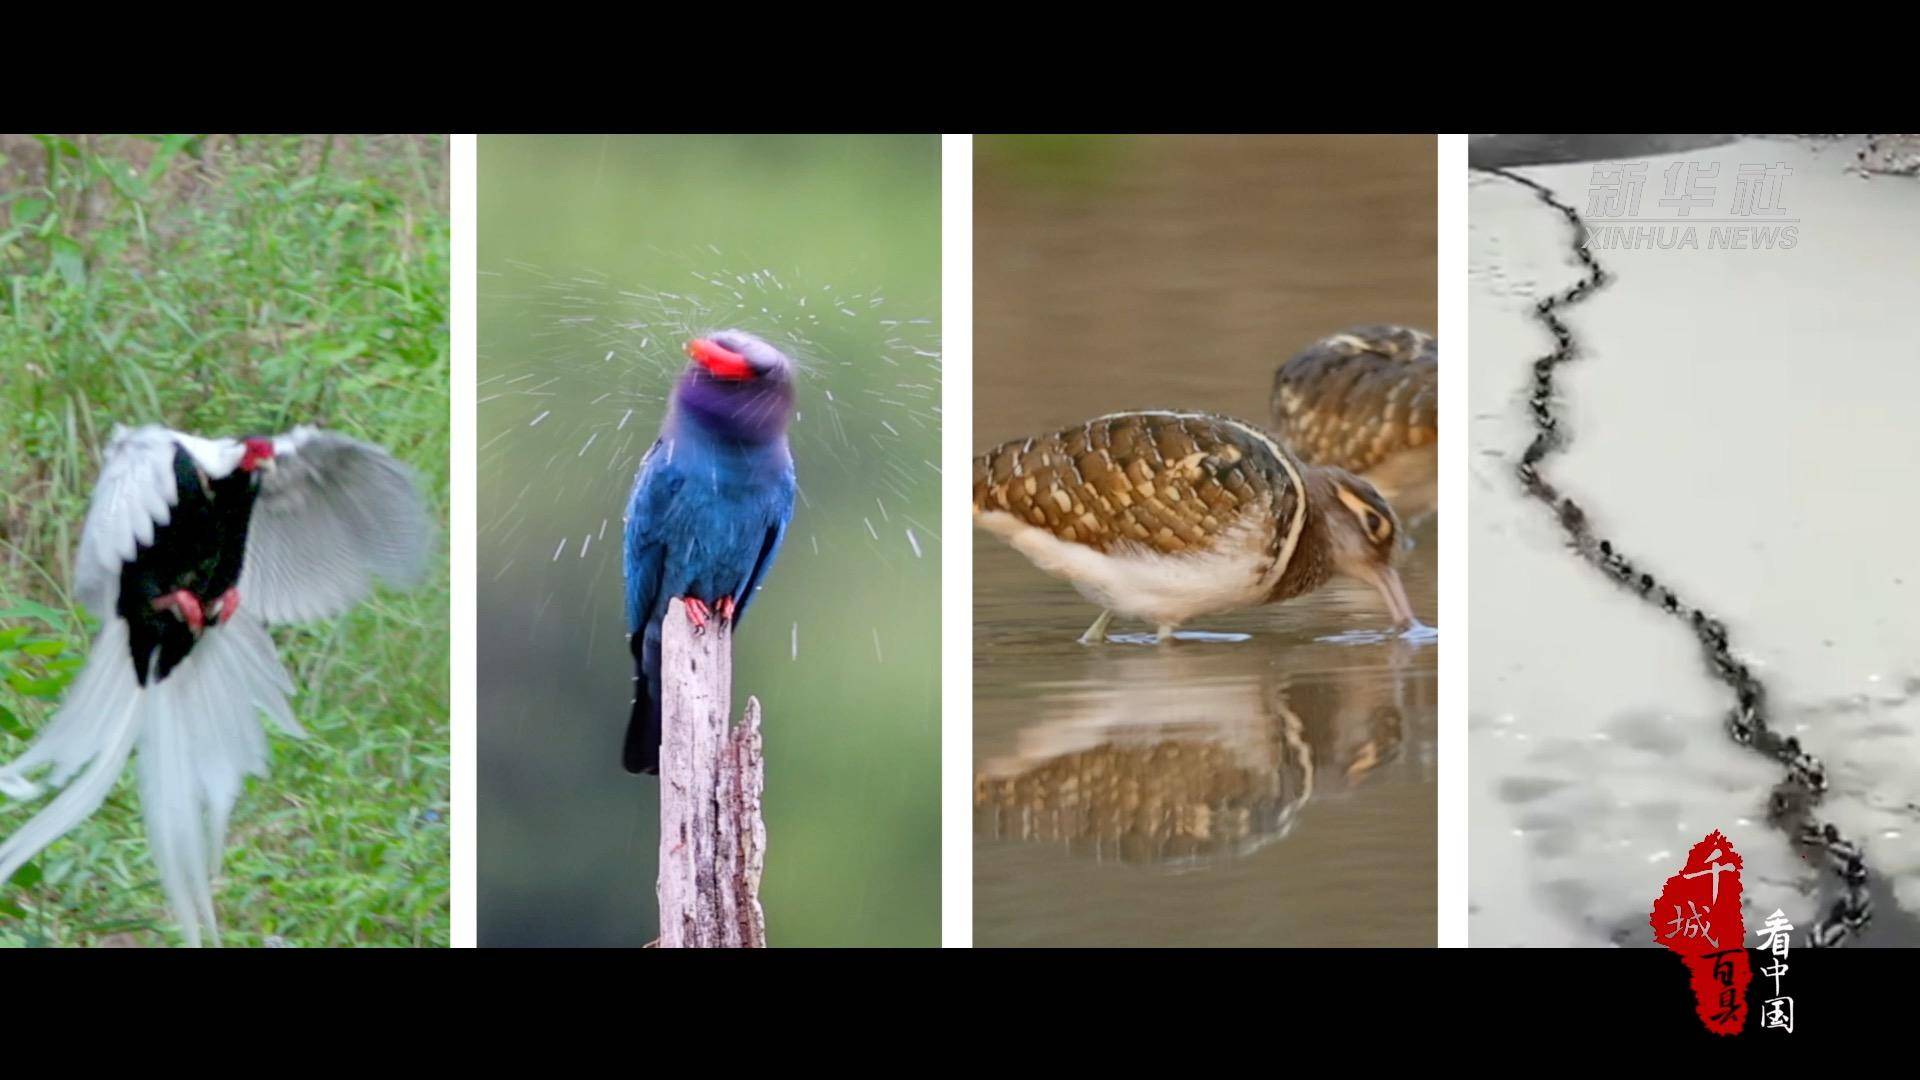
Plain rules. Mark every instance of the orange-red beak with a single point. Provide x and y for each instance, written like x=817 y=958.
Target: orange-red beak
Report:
x=720 y=362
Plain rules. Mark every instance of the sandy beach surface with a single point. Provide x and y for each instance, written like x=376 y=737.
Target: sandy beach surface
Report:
x=1742 y=422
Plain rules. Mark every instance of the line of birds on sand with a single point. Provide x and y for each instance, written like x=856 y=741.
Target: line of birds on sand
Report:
x=1172 y=516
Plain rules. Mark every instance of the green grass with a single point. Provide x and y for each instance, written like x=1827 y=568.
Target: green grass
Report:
x=231 y=285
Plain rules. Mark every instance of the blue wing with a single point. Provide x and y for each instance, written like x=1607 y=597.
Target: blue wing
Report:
x=653 y=491
x=779 y=512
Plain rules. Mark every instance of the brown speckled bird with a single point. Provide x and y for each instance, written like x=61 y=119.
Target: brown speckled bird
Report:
x=1168 y=516
x=1367 y=400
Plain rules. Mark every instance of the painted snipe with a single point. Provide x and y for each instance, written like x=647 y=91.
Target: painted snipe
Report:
x=1367 y=400
x=1167 y=517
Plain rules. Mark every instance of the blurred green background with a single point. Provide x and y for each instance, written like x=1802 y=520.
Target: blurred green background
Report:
x=599 y=256
x=229 y=285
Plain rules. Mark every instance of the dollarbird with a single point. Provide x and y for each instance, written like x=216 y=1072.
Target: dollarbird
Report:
x=179 y=530
x=709 y=509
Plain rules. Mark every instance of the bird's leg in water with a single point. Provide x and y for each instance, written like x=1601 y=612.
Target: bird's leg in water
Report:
x=697 y=613
x=1164 y=636
x=725 y=607
x=1097 y=633
x=224 y=608
x=185 y=605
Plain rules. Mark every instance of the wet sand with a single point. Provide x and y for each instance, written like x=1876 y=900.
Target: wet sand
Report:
x=1740 y=419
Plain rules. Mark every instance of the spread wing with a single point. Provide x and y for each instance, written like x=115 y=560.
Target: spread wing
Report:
x=333 y=515
x=136 y=493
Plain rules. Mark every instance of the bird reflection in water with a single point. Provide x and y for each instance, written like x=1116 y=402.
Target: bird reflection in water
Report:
x=1157 y=760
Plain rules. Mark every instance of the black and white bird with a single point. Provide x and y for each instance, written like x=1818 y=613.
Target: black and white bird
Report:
x=192 y=547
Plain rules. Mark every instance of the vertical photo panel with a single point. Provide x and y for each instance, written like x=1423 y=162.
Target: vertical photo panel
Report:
x=224 y=476
x=1204 y=626
x=709 y=551
x=1693 y=678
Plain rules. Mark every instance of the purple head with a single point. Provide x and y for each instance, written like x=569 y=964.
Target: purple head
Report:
x=738 y=387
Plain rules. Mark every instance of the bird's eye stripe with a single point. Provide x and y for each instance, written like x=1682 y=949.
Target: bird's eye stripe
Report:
x=1377 y=526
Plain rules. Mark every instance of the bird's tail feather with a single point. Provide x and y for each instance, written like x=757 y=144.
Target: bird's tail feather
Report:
x=170 y=796
x=642 y=753
x=199 y=738
x=95 y=729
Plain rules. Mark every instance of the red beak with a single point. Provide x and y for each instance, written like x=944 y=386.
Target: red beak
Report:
x=720 y=362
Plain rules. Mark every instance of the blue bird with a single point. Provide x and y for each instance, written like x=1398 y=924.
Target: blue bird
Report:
x=710 y=506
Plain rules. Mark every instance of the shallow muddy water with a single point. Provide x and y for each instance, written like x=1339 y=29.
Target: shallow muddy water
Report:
x=1278 y=790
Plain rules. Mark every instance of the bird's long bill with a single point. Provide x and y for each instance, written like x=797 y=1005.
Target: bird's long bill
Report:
x=1387 y=580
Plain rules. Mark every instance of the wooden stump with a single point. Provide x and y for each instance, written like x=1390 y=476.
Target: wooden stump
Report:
x=712 y=840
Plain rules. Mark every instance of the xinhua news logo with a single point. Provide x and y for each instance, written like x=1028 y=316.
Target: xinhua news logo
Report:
x=1698 y=208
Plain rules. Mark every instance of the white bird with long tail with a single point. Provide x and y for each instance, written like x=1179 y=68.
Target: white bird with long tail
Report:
x=180 y=529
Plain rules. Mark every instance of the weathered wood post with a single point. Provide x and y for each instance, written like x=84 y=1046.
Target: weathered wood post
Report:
x=712 y=841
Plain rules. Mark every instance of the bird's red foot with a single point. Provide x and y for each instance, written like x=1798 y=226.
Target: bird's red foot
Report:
x=725 y=608
x=225 y=608
x=185 y=606
x=697 y=613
